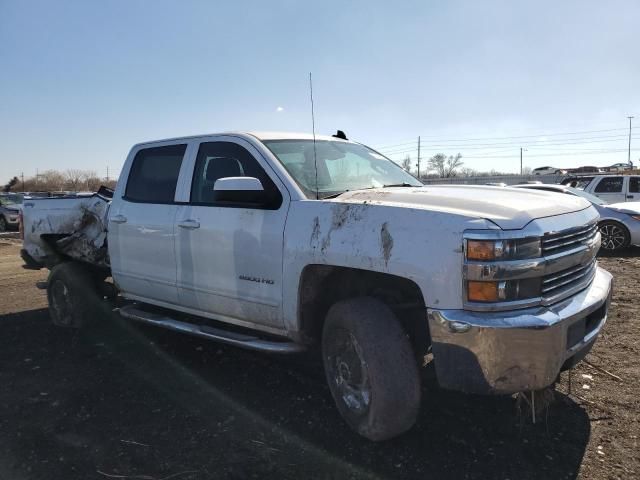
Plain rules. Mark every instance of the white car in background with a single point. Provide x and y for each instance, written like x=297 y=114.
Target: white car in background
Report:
x=619 y=167
x=619 y=223
x=548 y=171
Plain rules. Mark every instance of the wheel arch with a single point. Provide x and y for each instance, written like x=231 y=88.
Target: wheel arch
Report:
x=321 y=286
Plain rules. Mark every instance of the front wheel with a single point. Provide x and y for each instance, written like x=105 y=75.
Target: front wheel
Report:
x=72 y=295
x=3 y=224
x=370 y=368
x=615 y=236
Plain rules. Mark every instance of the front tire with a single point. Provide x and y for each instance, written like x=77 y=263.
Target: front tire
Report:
x=615 y=236
x=72 y=295
x=3 y=224
x=370 y=368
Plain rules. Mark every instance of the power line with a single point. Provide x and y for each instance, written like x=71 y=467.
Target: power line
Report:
x=471 y=139
x=550 y=154
x=559 y=141
x=586 y=140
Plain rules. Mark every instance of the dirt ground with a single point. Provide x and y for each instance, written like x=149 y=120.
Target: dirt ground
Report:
x=124 y=402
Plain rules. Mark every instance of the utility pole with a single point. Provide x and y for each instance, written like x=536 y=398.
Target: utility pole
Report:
x=629 y=151
x=520 y=160
x=22 y=176
x=107 y=173
x=418 y=157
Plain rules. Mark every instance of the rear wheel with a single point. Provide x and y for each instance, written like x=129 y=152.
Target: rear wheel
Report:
x=615 y=236
x=72 y=295
x=370 y=368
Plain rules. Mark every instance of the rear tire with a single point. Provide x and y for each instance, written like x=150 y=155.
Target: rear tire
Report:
x=370 y=368
x=615 y=236
x=72 y=295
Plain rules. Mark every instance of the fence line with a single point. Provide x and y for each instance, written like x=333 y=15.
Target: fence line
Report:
x=508 y=179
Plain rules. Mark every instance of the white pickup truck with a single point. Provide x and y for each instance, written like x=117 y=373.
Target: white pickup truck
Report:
x=278 y=242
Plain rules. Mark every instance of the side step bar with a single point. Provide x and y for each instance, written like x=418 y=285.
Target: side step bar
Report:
x=134 y=312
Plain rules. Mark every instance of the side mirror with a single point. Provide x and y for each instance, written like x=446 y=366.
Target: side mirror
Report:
x=240 y=190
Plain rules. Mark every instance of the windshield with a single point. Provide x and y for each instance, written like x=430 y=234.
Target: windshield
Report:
x=588 y=196
x=11 y=199
x=341 y=166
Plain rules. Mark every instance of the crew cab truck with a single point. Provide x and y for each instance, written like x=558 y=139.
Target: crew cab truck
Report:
x=278 y=242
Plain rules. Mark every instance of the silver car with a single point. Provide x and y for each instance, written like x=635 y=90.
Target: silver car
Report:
x=10 y=207
x=619 y=222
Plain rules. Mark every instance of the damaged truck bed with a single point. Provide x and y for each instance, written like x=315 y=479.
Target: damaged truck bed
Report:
x=67 y=227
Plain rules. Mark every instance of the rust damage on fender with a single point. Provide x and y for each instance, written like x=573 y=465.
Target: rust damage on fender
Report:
x=386 y=243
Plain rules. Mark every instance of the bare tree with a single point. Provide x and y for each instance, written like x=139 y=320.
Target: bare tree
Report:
x=445 y=167
x=51 y=180
x=406 y=163
x=74 y=178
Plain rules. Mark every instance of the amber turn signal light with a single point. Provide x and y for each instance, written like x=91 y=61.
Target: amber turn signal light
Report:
x=481 y=249
x=482 y=291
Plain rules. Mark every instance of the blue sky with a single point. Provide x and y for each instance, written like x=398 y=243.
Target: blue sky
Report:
x=81 y=81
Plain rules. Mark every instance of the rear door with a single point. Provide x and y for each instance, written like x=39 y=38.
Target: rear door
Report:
x=611 y=189
x=229 y=254
x=633 y=195
x=142 y=225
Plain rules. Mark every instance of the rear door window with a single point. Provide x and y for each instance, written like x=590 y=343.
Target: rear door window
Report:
x=634 y=184
x=610 y=185
x=154 y=174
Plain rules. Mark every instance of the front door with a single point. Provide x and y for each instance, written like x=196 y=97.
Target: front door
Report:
x=611 y=189
x=230 y=254
x=142 y=226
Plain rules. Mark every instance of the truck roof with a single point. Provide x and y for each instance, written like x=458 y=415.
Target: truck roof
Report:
x=254 y=134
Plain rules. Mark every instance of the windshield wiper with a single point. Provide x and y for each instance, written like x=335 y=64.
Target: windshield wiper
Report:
x=404 y=184
x=333 y=195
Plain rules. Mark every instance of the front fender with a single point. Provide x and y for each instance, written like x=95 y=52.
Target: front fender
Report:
x=420 y=245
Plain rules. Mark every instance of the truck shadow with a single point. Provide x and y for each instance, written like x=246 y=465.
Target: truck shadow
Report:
x=137 y=400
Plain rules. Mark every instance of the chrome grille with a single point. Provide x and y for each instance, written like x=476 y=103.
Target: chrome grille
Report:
x=554 y=243
x=572 y=278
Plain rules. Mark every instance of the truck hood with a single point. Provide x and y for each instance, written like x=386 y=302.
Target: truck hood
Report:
x=509 y=208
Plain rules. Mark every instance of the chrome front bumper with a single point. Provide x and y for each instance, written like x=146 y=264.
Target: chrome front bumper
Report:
x=518 y=350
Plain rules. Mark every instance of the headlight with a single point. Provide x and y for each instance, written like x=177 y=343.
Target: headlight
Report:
x=496 y=250
x=503 y=291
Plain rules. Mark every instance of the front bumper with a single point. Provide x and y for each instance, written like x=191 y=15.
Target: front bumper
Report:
x=514 y=351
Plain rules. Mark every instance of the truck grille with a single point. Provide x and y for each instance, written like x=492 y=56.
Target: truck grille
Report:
x=554 y=243
x=567 y=281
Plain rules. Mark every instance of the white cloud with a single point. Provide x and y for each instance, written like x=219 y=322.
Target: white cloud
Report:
x=279 y=109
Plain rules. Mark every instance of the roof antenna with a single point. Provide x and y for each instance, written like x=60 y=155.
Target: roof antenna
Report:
x=313 y=129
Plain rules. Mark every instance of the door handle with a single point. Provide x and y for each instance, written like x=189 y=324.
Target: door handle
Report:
x=189 y=224
x=629 y=196
x=118 y=219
